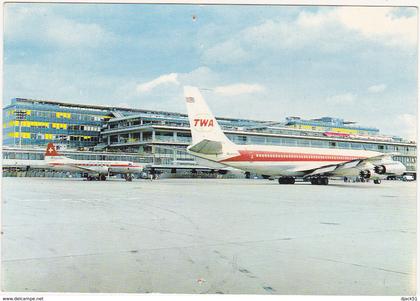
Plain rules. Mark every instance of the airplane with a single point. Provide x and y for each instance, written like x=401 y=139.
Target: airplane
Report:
x=99 y=169
x=283 y=162
x=95 y=170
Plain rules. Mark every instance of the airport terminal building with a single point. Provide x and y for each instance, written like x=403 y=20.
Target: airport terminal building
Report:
x=159 y=138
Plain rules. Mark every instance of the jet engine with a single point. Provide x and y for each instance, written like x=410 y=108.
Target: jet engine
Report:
x=396 y=168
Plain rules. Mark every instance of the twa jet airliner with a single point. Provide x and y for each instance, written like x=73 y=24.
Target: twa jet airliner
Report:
x=282 y=162
x=99 y=169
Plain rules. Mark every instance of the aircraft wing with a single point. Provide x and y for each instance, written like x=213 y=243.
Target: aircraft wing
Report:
x=349 y=168
x=93 y=169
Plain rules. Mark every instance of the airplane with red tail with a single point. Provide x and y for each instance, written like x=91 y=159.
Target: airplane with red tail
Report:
x=283 y=162
x=96 y=170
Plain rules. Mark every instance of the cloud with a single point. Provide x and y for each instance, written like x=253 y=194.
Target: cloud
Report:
x=228 y=52
x=171 y=78
x=41 y=26
x=203 y=77
x=345 y=98
x=380 y=23
x=68 y=33
x=408 y=125
x=39 y=81
x=376 y=23
x=329 y=30
x=377 y=88
x=238 y=89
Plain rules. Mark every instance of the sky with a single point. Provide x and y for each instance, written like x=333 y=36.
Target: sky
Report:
x=257 y=62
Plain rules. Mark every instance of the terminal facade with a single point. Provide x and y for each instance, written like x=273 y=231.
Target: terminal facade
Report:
x=160 y=138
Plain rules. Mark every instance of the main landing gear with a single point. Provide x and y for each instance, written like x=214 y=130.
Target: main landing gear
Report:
x=319 y=181
x=96 y=178
x=377 y=181
x=286 y=180
x=128 y=177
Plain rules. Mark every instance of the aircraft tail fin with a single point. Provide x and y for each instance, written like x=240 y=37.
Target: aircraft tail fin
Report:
x=202 y=122
x=51 y=152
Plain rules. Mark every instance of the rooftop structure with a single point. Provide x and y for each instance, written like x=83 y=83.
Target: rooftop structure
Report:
x=330 y=124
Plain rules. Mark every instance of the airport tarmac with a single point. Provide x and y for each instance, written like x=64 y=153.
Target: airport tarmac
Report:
x=208 y=236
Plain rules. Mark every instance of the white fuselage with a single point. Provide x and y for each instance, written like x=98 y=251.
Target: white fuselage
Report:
x=284 y=160
x=88 y=166
x=85 y=166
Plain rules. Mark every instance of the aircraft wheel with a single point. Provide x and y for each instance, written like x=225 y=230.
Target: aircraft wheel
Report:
x=286 y=180
x=377 y=181
x=319 y=181
x=102 y=177
x=316 y=181
x=129 y=178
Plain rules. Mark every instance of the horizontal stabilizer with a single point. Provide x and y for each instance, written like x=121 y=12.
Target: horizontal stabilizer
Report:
x=207 y=147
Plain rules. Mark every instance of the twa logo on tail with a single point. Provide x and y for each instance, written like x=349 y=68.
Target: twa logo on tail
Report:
x=203 y=122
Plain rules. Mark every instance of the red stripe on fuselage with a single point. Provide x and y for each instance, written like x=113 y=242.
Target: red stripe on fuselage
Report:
x=93 y=164
x=261 y=156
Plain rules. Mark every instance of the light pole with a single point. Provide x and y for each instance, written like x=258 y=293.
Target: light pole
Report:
x=20 y=116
